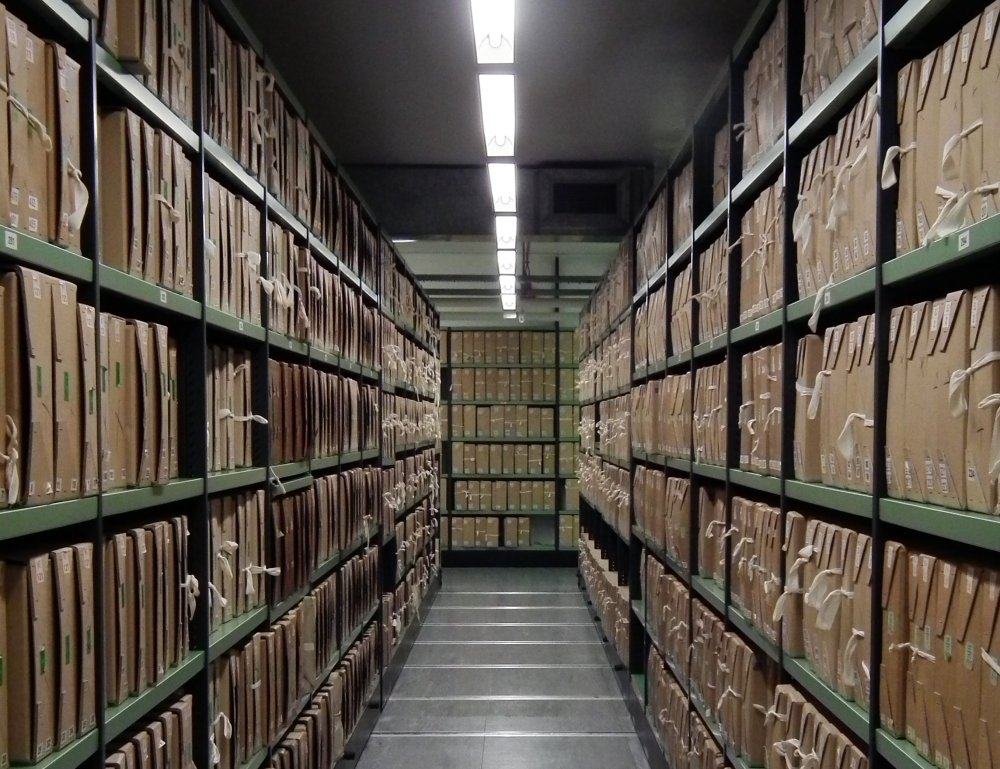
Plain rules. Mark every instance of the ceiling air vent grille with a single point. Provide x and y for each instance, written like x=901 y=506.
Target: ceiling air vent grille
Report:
x=583 y=201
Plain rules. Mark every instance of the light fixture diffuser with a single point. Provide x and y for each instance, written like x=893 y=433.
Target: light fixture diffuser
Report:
x=503 y=186
x=496 y=95
x=506 y=262
x=508 y=284
x=509 y=301
x=506 y=232
x=493 y=27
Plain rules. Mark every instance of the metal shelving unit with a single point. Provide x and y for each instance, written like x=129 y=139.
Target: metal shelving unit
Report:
x=106 y=82
x=910 y=29
x=536 y=553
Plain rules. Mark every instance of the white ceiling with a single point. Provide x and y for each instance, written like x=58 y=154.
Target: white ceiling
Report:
x=394 y=81
x=461 y=279
x=392 y=86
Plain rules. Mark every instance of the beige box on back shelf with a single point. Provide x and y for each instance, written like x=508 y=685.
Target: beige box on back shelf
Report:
x=489 y=347
x=510 y=532
x=523 y=532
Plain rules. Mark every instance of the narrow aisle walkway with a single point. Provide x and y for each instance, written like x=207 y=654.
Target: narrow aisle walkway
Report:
x=508 y=672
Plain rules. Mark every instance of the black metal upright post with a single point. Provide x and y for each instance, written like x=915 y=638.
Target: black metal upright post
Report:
x=193 y=360
x=91 y=246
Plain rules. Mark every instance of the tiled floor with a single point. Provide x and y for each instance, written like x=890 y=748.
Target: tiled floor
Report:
x=507 y=673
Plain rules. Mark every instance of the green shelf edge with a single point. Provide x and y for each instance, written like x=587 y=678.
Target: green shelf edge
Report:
x=325 y=463
x=947 y=253
x=681 y=465
x=112 y=74
x=325 y=569
x=226 y=164
x=235 y=479
x=675 y=361
x=73 y=755
x=287 y=344
x=753 y=178
x=119 y=718
x=769 y=484
x=350 y=551
x=229 y=634
x=257 y=760
x=409 y=507
x=130 y=500
x=841 y=500
x=977 y=529
x=137 y=290
x=638 y=681
x=911 y=19
x=38 y=254
x=639 y=609
x=845 y=89
x=277 y=611
x=324 y=358
x=21 y=521
x=356 y=633
x=753 y=633
x=289 y=469
x=854 y=287
x=621 y=464
x=735 y=760
x=681 y=254
x=61 y=14
x=899 y=754
x=285 y=214
x=295 y=484
x=714 y=345
x=705 y=470
x=757 y=326
x=661 y=555
x=709 y=593
x=302 y=704
x=223 y=321
x=711 y=222
x=853 y=717
x=710 y=723
x=350 y=366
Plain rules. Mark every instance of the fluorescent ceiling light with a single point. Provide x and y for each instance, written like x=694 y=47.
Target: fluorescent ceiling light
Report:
x=506 y=232
x=509 y=301
x=493 y=26
x=509 y=315
x=503 y=186
x=508 y=284
x=496 y=95
x=506 y=262
x=397 y=241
